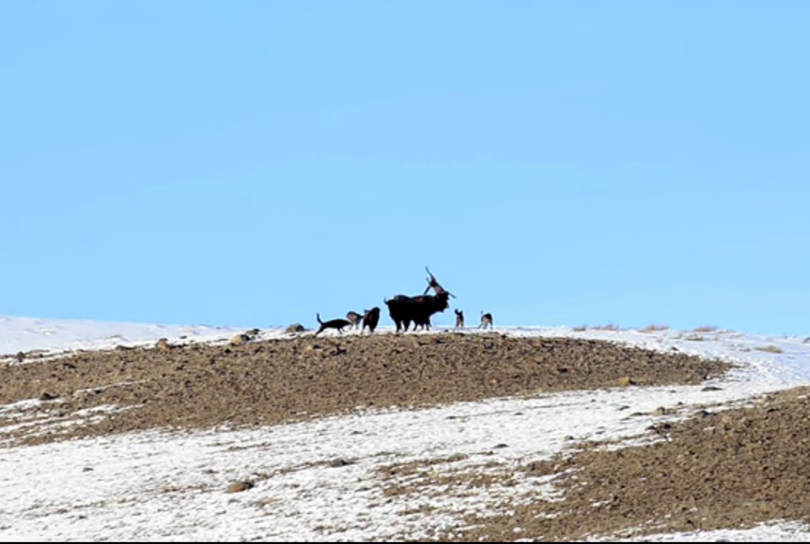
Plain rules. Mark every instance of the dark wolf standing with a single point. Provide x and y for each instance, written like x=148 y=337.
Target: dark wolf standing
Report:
x=337 y=324
x=354 y=318
x=486 y=321
x=459 y=319
x=370 y=319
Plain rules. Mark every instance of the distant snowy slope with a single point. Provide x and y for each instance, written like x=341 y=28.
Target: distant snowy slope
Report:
x=53 y=335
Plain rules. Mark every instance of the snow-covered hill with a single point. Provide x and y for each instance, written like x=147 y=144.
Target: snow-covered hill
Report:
x=164 y=486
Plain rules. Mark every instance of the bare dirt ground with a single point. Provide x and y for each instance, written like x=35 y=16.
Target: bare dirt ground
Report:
x=269 y=382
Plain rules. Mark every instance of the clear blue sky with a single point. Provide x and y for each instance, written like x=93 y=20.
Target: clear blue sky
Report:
x=251 y=163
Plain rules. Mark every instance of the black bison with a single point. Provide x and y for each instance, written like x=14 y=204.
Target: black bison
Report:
x=404 y=309
x=418 y=309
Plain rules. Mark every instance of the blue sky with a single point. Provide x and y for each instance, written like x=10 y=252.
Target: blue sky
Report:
x=554 y=163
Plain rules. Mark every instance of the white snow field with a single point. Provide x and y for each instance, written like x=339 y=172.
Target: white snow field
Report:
x=172 y=486
x=56 y=336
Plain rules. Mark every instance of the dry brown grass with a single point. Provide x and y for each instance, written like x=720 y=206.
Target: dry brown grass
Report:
x=695 y=338
x=581 y=328
x=608 y=327
x=770 y=349
x=654 y=327
x=706 y=328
